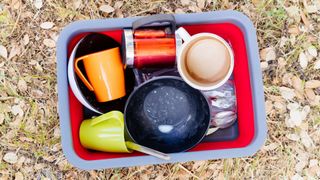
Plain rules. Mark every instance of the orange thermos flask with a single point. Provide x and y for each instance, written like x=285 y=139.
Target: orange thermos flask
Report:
x=151 y=43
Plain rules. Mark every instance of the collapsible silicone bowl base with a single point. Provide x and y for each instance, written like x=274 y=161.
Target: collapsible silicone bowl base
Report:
x=233 y=26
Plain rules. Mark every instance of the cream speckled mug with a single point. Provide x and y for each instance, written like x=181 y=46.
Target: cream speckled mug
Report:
x=205 y=60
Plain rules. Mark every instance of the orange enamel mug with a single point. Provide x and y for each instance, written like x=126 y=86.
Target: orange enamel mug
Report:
x=105 y=73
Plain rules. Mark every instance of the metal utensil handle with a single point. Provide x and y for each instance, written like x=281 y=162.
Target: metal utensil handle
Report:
x=159 y=18
x=147 y=150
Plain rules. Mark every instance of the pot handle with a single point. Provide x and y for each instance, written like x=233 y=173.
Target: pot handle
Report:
x=159 y=18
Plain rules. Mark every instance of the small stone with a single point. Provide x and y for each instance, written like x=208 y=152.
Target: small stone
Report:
x=312 y=98
x=32 y=62
x=304 y=28
x=310 y=94
x=296 y=177
x=49 y=43
x=300 y=166
x=257 y=3
x=316 y=101
x=264 y=65
x=312 y=51
x=309 y=56
x=1 y=118
x=268 y=54
x=304 y=125
x=201 y=3
x=62 y=164
x=303 y=60
x=313 y=162
x=269 y=106
x=293 y=106
x=118 y=4
x=199 y=164
x=10 y=158
x=303 y=156
x=37 y=93
x=20 y=161
x=287 y=93
x=56 y=132
x=313 y=172
x=312 y=9
x=293 y=39
x=297 y=115
x=299 y=94
x=293 y=137
x=16 y=4
x=287 y=79
x=282 y=62
x=283 y=41
x=270 y=147
x=56 y=147
x=49 y=158
x=119 y=13
x=46 y=25
x=295 y=118
x=317 y=4
x=294 y=30
x=38 y=4
x=30 y=126
x=307 y=25
x=15 y=50
x=54 y=36
x=194 y=8
x=22 y=85
x=39 y=166
x=185 y=2
x=281 y=107
x=38 y=67
x=25 y=139
x=179 y=11
x=18 y=176
x=17 y=110
x=297 y=84
x=106 y=8
x=306 y=139
x=26 y=39
x=76 y=4
x=3 y=52
x=294 y=12
x=317 y=65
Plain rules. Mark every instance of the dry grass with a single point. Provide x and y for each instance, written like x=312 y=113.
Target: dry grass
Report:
x=29 y=125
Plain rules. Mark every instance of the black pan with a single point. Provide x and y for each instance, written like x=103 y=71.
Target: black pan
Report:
x=166 y=114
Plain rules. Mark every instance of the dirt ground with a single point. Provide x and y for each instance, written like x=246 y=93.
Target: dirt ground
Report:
x=289 y=41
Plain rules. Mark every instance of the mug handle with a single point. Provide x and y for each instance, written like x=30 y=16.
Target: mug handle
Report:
x=79 y=73
x=183 y=33
x=107 y=116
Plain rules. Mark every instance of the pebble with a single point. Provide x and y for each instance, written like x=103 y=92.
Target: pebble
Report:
x=264 y=65
x=18 y=176
x=49 y=43
x=47 y=25
x=10 y=157
x=312 y=51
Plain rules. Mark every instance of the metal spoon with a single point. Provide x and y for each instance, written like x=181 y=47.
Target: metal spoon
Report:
x=146 y=150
